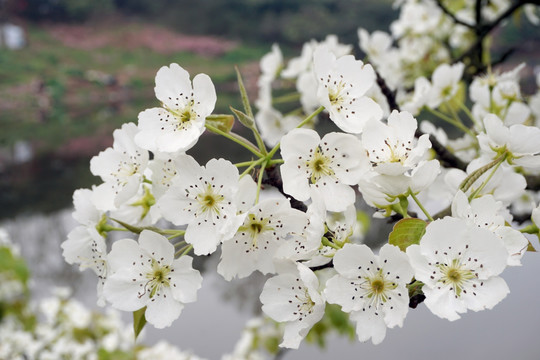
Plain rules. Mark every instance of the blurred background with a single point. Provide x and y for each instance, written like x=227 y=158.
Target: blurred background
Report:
x=72 y=71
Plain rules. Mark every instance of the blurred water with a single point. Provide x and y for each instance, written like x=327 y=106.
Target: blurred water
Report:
x=211 y=326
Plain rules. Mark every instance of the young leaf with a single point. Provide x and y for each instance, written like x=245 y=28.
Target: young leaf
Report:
x=139 y=321
x=243 y=93
x=407 y=232
x=223 y=122
x=243 y=118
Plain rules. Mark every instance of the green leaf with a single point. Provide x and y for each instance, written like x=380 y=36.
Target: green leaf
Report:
x=115 y=355
x=415 y=288
x=139 y=321
x=16 y=266
x=243 y=118
x=223 y=122
x=243 y=94
x=407 y=232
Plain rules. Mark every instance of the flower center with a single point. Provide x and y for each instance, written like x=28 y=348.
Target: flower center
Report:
x=254 y=227
x=209 y=200
x=319 y=165
x=185 y=116
x=335 y=94
x=378 y=288
x=455 y=275
x=158 y=278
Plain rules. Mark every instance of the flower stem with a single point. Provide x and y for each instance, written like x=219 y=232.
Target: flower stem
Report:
x=237 y=139
x=468 y=113
x=254 y=163
x=245 y=163
x=451 y=121
x=421 y=206
x=183 y=251
x=180 y=243
x=328 y=243
x=531 y=229
x=286 y=98
x=259 y=180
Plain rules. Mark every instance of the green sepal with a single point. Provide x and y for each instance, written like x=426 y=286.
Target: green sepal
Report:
x=530 y=248
x=243 y=94
x=139 y=320
x=415 y=288
x=402 y=206
x=407 y=232
x=223 y=122
x=245 y=119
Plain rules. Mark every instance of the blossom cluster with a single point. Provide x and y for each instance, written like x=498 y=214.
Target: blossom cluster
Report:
x=294 y=217
x=60 y=327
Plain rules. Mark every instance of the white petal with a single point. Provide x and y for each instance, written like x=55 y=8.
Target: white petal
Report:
x=369 y=325
x=162 y=310
x=122 y=292
x=157 y=246
x=172 y=86
x=185 y=281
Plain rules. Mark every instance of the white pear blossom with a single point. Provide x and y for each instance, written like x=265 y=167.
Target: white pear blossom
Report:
x=145 y=273
x=422 y=88
x=87 y=248
x=165 y=351
x=273 y=124
x=300 y=64
x=329 y=164
x=487 y=213
x=520 y=141
x=383 y=190
x=306 y=84
x=121 y=168
x=270 y=65
x=266 y=227
x=140 y=210
x=445 y=83
x=372 y=288
x=85 y=212
x=178 y=124
x=204 y=199
x=164 y=169
x=418 y=18
x=392 y=149
x=459 y=264
x=293 y=298
x=343 y=83
x=375 y=45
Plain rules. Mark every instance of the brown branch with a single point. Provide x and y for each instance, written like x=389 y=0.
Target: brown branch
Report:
x=273 y=178
x=452 y=16
x=475 y=51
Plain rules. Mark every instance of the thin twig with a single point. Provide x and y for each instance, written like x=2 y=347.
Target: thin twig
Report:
x=452 y=16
